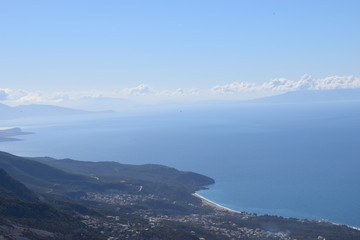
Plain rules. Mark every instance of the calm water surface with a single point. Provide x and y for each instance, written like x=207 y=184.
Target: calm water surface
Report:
x=289 y=160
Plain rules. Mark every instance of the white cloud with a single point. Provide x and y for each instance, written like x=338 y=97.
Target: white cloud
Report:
x=177 y=92
x=16 y=97
x=10 y=94
x=280 y=84
x=306 y=82
x=194 y=91
x=143 y=92
x=140 y=90
x=336 y=82
x=4 y=94
x=234 y=87
x=69 y=96
x=31 y=97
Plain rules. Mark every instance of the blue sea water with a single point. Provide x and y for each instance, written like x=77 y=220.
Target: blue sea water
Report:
x=293 y=160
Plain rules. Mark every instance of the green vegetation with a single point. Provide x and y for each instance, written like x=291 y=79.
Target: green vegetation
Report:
x=10 y=188
x=70 y=199
x=113 y=171
x=21 y=207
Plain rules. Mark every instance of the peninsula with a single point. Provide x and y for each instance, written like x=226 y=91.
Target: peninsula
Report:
x=46 y=198
x=8 y=134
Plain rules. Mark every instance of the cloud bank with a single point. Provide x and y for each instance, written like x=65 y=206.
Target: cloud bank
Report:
x=306 y=82
x=235 y=90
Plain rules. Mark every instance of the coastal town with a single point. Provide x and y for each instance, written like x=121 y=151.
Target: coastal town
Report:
x=98 y=204
x=115 y=229
x=214 y=224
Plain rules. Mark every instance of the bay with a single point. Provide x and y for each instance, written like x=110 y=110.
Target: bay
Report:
x=298 y=160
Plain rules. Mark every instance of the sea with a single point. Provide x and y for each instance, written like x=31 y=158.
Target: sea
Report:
x=291 y=160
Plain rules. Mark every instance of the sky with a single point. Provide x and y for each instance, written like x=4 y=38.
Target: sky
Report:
x=53 y=51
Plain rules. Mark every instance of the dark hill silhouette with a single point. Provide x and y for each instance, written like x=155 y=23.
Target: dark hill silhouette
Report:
x=118 y=171
x=12 y=188
x=34 y=174
x=47 y=175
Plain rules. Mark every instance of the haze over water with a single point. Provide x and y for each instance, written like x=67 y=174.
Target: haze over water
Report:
x=293 y=160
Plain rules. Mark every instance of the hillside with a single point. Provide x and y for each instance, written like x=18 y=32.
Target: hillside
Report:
x=71 y=199
x=24 y=216
x=117 y=171
x=10 y=188
x=36 y=175
x=74 y=178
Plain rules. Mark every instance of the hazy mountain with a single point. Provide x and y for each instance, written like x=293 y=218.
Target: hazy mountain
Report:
x=10 y=133
x=103 y=103
x=313 y=96
x=35 y=110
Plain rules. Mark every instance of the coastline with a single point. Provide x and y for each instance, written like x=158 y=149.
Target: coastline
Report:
x=215 y=205
x=356 y=228
x=219 y=207
x=9 y=134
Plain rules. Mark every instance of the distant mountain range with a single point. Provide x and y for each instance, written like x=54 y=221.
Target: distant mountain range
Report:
x=103 y=103
x=293 y=97
x=313 y=96
x=35 y=110
x=301 y=96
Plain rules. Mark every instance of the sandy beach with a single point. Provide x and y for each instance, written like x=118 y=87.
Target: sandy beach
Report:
x=210 y=203
x=207 y=202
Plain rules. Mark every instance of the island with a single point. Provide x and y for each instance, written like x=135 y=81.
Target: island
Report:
x=8 y=134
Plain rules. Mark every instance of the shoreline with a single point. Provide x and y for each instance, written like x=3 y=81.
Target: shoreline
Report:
x=215 y=205
x=219 y=207
x=356 y=228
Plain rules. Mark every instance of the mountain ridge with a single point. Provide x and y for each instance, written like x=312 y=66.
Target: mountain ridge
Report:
x=106 y=169
x=312 y=96
x=36 y=110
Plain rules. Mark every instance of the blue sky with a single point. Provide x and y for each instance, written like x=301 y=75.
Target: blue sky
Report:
x=62 y=46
